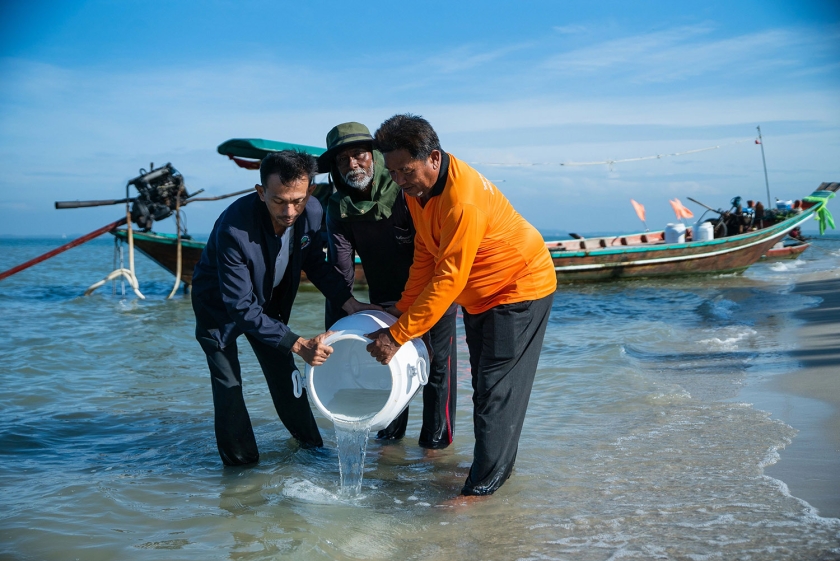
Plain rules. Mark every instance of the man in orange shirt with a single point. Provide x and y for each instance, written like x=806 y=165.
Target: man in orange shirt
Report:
x=474 y=249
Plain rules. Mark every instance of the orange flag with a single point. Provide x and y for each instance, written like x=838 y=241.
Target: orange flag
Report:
x=680 y=210
x=640 y=210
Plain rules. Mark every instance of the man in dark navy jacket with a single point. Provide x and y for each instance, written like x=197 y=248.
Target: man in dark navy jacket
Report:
x=246 y=282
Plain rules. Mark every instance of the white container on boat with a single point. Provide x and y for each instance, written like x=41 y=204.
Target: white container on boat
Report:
x=784 y=205
x=675 y=233
x=704 y=232
x=352 y=387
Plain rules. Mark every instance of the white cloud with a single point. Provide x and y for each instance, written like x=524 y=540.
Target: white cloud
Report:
x=622 y=51
x=676 y=54
x=569 y=29
x=466 y=58
x=14 y=206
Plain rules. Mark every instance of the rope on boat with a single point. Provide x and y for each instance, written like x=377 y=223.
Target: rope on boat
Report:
x=178 y=247
x=118 y=263
x=128 y=274
x=609 y=163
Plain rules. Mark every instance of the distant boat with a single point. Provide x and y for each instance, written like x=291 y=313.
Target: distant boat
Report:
x=784 y=250
x=647 y=255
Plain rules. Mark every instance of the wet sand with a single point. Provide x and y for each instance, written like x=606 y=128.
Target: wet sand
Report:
x=808 y=399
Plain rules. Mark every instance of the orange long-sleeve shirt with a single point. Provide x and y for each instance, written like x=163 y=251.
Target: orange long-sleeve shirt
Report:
x=471 y=248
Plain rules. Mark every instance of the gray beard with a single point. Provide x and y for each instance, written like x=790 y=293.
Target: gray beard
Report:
x=358 y=179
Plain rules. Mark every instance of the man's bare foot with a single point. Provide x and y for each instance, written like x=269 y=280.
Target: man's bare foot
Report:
x=464 y=501
x=432 y=452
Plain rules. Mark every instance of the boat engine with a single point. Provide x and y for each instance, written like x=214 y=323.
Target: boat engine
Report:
x=158 y=191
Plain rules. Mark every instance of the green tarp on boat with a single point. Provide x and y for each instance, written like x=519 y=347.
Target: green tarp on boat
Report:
x=258 y=148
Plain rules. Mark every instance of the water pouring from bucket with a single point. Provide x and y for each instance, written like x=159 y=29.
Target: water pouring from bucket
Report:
x=357 y=393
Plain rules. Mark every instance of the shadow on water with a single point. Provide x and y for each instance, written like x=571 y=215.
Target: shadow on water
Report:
x=822 y=350
x=88 y=438
x=821 y=290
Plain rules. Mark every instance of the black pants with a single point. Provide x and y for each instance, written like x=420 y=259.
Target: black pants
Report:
x=505 y=344
x=439 y=394
x=234 y=434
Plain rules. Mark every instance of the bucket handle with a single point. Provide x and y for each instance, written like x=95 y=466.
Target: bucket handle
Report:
x=298 y=383
x=421 y=371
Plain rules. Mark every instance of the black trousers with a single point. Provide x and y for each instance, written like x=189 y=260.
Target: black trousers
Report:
x=234 y=433
x=439 y=394
x=505 y=344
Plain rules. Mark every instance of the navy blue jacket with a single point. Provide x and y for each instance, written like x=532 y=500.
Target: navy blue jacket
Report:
x=233 y=281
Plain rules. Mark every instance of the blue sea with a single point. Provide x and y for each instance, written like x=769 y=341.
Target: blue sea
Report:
x=638 y=443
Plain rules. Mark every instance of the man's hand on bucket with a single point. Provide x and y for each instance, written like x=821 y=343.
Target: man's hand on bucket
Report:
x=383 y=347
x=352 y=306
x=313 y=351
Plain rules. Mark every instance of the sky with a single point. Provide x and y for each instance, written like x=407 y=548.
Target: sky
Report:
x=92 y=91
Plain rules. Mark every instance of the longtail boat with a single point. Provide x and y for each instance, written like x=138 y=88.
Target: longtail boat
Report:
x=630 y=256
x=647 y=255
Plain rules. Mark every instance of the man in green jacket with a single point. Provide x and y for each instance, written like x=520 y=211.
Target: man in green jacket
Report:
x=368 y=215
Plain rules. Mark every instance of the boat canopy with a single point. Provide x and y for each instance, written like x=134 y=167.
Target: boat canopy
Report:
x=255 y=149
x=258 y=148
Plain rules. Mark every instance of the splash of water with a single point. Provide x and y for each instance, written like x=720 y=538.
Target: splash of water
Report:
x=351 y=438
x=353 y=410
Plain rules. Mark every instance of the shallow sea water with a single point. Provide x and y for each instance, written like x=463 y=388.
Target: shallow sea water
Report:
x=636 y=443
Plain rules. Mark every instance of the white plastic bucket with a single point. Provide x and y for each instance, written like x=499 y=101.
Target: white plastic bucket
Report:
x=675 y=233
x=351 y=387
x=704 y=232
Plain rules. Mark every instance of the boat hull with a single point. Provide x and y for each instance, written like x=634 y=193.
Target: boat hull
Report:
x=162 y=249
x=616 y=261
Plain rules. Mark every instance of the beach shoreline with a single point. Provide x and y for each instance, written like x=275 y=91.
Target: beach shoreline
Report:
x=808 y=399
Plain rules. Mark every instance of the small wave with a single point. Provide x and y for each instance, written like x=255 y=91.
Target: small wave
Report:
x=809 y=512
x=730 y=338
x=772 y=455
x=787 y=266
x=720 y=308
x=673 y=397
